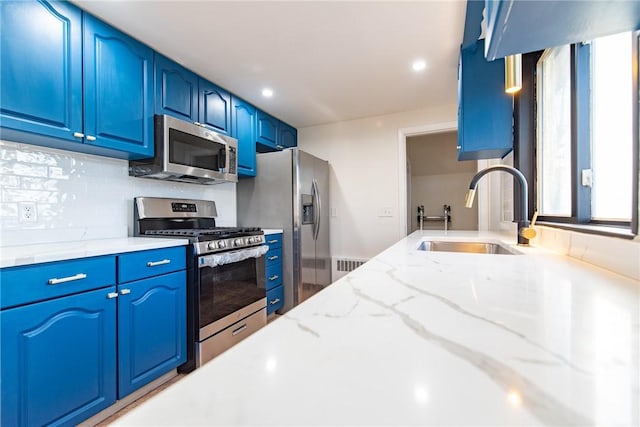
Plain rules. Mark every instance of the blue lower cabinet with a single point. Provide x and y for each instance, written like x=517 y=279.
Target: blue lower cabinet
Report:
x=275 y=299
x=59 y=359
x=274 y=275
x=151 y=329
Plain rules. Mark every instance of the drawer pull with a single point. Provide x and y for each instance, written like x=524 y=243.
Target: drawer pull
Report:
x=125 y=291
x=56 y=281
x=272 y=258
x=240 y=329
x=112 y=295
x=275 y=301
x=274 y=277
x=272 y=242
x=91 y=138
x=157 y=263
x=78 y=135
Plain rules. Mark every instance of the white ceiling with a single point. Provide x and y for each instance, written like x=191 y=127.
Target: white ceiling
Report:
x=325 y=61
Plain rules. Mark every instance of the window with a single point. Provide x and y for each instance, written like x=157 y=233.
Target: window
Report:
x=582 y=141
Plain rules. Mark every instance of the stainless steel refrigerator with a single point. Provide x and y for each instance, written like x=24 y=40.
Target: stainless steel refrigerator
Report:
x=291 y=192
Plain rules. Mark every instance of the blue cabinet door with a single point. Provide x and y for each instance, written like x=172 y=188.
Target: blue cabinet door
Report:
x=485 y=111
x=243 y=128
x=41 y=79
x=118 y=90
x=58 y=359
x=176 y=90
x=214 y=107
x=288 y=135
x=267 y=133
x=151 y=329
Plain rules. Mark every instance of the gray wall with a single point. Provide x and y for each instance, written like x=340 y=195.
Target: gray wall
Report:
x=438 y=178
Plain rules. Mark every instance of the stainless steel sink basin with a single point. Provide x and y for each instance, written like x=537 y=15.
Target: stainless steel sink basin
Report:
x=467 y=247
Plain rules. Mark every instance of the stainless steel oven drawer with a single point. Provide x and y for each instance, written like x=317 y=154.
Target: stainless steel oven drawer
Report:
x=218 y=343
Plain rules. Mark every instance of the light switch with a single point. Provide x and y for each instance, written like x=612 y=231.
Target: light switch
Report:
x=587 y=178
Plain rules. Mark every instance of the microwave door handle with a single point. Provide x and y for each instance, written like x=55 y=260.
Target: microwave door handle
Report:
x=317 y=209
x=222 y=160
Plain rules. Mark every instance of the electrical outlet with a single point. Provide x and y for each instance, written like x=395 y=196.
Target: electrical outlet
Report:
x=385 y=212
x=28 y=212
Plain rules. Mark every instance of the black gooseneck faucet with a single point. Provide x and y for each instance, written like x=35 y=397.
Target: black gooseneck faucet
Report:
x=524 y=231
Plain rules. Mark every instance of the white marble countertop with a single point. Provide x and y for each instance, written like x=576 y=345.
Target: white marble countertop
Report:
x=431 y=338
x=272 y=230
x=13 y=256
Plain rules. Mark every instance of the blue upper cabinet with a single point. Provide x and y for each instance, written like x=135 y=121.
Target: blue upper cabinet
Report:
x=519 y=26
x=176 y=90
x=485 y=111
x=70 y=81
x=288 y=135
x=41 y=69
x=215 y=107
x=118 y=78
x=267 y=132
x=243 y=128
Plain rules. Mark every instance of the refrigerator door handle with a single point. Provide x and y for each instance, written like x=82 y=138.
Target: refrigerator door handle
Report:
x=318 y=208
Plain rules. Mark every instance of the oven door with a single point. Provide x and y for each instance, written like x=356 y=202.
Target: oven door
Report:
x=232 y=286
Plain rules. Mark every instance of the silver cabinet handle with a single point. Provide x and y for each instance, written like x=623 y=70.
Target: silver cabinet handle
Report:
x=274 y=277
x=271 y=242
x=78 y=135
x=240 y=329
x=279 y=147
x=275 y=301
x=125 y=291
x=157 y=263
x=111 y=295
x=271 y=258
x=91 y=138
x=56 y=281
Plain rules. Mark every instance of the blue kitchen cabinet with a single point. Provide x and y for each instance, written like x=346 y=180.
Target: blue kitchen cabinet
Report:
x=214 y=107
x=59 y=355
x=118 y=80
x=518 y=26
x=273 y=272
x=243 y=128
x=485 y=111
x=288 y=135
x=176 y=90
x=151 y=329
x=72 y=82
x=41 y=70
x=152 y=315
x=267 y=133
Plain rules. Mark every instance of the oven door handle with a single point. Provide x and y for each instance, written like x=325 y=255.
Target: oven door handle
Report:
x=224 y=258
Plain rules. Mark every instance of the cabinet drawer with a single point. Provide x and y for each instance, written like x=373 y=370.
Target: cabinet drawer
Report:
x=274 y=275
x=138 y=265
x=39 y=282
x=274 y=241
x=275 y=299
x=274 y=256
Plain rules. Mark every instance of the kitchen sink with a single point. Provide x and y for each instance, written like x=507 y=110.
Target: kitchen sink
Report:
x=467 y=247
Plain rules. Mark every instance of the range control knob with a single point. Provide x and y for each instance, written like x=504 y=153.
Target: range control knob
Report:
x=250 y=240
x=212 y=245
x=238 y=242
x=222 y=244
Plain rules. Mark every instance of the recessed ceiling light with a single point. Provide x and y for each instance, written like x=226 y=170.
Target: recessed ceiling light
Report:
x=267 y=93
x=419 y=65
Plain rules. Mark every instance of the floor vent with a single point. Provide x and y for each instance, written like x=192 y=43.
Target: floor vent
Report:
x=341 y=266
x=348 y=264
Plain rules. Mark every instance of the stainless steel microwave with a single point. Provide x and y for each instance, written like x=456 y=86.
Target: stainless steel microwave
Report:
x=189 y=152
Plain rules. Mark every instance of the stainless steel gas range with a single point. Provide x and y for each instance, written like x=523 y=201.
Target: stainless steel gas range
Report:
x=226 y=292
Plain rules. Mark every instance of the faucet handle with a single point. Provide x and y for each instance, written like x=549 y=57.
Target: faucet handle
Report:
x=528 y=233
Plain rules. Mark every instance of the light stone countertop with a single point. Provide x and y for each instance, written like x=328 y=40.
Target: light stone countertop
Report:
x=13 y=256
x=272 y=231
x=431 y=338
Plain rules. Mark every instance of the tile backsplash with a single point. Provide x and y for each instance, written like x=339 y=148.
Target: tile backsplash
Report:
x=49 y=195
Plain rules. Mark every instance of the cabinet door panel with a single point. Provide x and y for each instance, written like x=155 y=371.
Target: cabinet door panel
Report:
x=118 y=77
x=215 y=107
x=151 y=329
x=244 y=130
x=41 y=77
x=58 y=359
x=176 y=90
x=288 y=135
x=267 y=132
